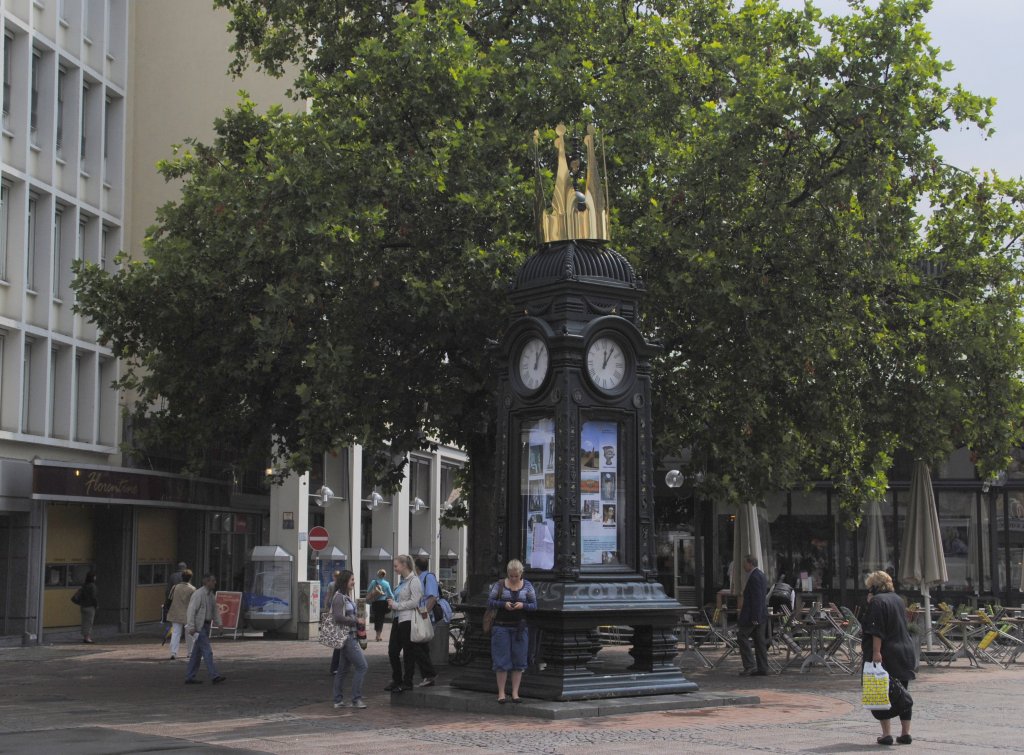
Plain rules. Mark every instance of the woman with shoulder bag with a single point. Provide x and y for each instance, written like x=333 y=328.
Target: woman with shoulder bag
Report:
x=511 y=597
x=177 y=614
x=344 y=612
x=378 y=592
x=400 y=645
x=885 y=640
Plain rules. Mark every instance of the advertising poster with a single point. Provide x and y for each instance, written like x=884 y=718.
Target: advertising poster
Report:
x=537 y=488
x=229 y=606
x=600 y=486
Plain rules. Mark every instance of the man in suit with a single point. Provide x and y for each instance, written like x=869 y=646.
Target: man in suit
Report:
x=753 y=620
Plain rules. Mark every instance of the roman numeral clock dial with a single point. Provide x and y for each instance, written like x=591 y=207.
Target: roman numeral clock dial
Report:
x=606 y=363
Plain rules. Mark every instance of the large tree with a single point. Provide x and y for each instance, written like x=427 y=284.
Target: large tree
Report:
x=827 y=289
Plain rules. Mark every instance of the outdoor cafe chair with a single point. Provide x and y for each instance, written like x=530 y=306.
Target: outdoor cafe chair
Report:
x=715 y=632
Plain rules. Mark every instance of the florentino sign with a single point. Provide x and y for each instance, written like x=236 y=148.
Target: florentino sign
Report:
x=83 y=483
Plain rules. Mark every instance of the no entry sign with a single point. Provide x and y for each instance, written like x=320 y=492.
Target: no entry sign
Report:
x=318 y=538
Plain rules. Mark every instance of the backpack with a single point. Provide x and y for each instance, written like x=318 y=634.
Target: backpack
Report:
x=442 y=608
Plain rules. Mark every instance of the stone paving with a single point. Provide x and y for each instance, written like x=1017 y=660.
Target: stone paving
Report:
x=124 y=696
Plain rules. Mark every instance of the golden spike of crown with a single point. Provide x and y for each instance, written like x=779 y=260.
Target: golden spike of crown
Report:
x=577 y=212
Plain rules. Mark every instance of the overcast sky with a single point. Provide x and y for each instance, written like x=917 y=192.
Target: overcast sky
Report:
x=982 y=39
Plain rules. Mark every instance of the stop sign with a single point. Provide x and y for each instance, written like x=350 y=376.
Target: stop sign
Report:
x=318 y=538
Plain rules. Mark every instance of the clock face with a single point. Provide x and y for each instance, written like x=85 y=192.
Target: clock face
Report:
x=606 y=363
x=533 y=363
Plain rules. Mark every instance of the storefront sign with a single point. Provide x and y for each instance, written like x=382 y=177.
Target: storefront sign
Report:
x=59 y=482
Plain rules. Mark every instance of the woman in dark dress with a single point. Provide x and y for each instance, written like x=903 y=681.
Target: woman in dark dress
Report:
x=886 y=640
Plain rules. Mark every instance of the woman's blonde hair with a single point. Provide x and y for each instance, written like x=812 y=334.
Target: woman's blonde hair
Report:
x=878 y=581
x=381 y=573
x=515 y=566
x=405 y=560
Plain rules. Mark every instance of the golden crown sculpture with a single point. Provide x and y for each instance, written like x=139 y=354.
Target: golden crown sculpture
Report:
x=577 y=212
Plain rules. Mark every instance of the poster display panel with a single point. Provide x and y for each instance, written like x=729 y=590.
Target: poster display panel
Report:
x=537 y=488
x=601 y=493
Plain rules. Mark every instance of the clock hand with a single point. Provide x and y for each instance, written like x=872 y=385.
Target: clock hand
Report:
x=536 y=361
x=607 y=356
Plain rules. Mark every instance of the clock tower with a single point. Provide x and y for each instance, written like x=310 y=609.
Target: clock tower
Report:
x=575 y=471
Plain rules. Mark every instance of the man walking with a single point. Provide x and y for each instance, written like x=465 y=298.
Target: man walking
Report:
x=201 y=615
x=753 y=620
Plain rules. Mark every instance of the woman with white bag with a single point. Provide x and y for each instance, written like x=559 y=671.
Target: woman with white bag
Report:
x=886 y=641
x=400 y=645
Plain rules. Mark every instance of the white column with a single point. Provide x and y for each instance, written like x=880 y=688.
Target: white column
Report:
x=337 y=515
x=434 y=512
x=400 y=519
x=291 y=498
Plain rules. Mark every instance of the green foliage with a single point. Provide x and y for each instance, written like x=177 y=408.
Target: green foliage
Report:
x=334 y=276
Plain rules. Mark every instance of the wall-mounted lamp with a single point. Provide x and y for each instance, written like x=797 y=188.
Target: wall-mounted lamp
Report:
x=417 y=505
x=374 y=502
x=324 y=496
x=995 y=482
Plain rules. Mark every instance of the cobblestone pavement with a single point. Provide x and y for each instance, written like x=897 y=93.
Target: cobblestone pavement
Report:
x=124 y=695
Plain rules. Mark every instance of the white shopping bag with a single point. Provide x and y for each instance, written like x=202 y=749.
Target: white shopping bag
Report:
x=875 y=687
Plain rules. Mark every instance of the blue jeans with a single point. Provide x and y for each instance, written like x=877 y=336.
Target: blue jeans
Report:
x=201 y=648
x=351 y=658
x=509 y=646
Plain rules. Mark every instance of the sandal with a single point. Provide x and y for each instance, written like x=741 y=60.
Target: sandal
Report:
x=886 y=740
x=502 y=700
x=904 y=739
x=517 y=700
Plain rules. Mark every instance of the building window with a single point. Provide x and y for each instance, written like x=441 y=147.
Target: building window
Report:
x=33 y=116
x=8 y=50
x=3 y=345
x=53 y=391
x=58 y=222
x=26 y=386
x=66 y=575
x=85 y=110
x=76 y=372
x=62 y=76
x=30 y=245
x=107 y=125
x=5 y=211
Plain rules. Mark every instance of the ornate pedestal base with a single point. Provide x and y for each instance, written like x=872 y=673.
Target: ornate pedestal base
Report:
x=564 y=643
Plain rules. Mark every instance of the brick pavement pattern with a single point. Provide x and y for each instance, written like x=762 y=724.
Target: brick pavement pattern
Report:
x=124 y=695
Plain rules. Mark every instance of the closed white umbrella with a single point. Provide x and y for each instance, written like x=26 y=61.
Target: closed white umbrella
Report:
x=746 y=540
x=923 y=562
x=876 y=550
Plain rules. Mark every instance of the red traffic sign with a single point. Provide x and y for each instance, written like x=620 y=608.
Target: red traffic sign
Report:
x=318 y=538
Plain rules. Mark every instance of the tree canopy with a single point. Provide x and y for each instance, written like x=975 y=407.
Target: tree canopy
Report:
x=828 y=290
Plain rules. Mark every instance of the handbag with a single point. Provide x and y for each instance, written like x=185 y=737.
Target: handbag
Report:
x=331 y=634
x=875 y=687
x=899 y=696
x=422 y=630
x=77 y=597
x=491 y=613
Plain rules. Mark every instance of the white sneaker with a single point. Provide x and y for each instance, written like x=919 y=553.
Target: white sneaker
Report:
x=358 y=703
x=342 y=704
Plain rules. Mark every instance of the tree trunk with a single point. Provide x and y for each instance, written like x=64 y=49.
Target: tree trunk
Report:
x=482 y=545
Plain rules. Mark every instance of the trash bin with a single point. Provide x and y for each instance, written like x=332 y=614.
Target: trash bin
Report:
x=439 y=645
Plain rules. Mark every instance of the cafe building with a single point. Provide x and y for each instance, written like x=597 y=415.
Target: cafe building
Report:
x=807 y=545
